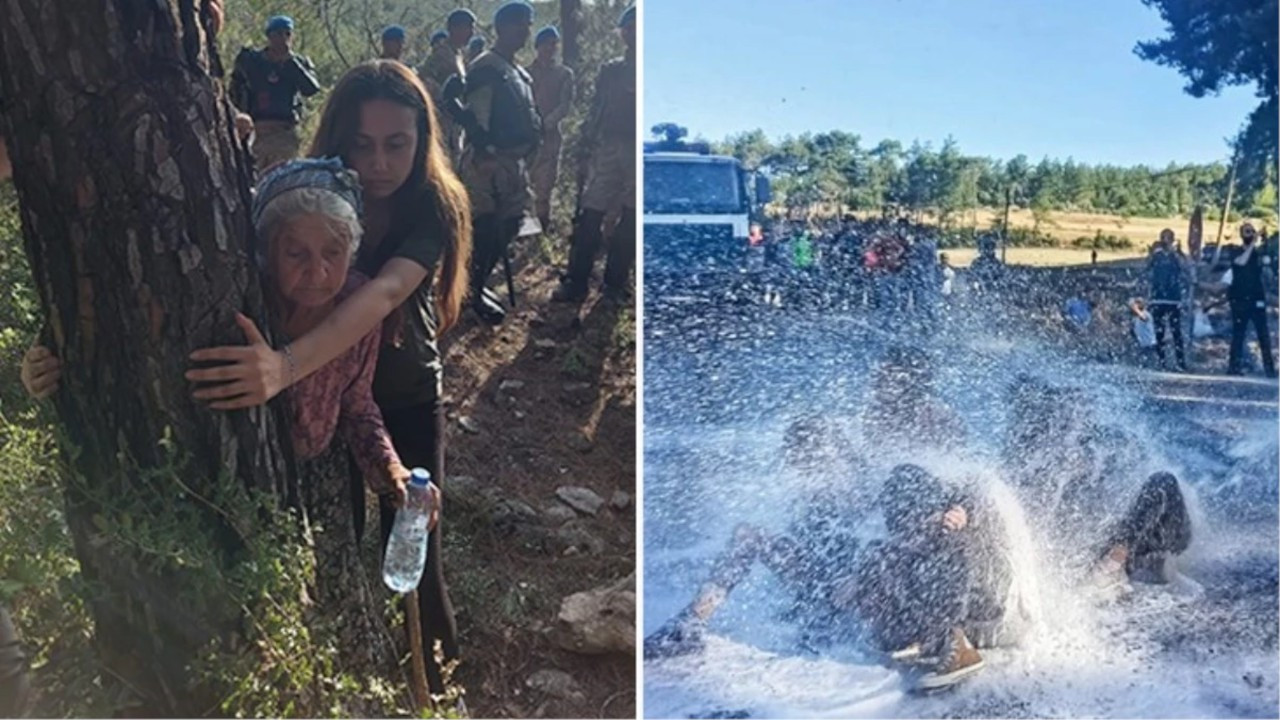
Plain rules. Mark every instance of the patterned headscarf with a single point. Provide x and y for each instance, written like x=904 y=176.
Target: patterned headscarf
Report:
x=327 y=174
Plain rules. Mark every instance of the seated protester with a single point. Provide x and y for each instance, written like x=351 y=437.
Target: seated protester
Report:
x=904 y=410
x=1144 y=544
x=306 y=213
x=1044 y=452
x=1078 y=313
x=938 y=586
x=1063 y=464
x=809 y=558
x=1067 y=469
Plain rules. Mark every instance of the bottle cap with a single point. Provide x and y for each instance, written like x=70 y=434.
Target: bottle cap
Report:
x=419 y=477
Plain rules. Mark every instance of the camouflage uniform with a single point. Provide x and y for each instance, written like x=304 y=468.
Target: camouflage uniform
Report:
x=553 y=94
x=271 y=93
x=505 y=136
x=444 y=62
x=609 y=135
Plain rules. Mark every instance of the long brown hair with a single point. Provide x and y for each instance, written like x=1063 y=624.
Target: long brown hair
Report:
x=432 y=184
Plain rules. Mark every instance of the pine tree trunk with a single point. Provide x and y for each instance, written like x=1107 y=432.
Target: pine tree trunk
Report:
x=134 y=199
x=570 y=22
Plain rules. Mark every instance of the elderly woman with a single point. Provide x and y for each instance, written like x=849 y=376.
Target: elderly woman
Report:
x=307 y=217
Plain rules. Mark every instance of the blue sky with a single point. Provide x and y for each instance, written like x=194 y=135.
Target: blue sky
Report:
x=1039 y=77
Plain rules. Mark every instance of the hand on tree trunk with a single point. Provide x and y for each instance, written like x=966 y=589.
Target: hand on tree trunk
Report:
x=254 y=373
x=244 y=126
x=41 y=370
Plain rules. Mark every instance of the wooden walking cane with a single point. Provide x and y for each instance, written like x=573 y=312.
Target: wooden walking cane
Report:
x=417 y=661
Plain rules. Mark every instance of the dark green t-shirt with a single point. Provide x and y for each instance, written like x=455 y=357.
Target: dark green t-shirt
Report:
x=409 y=369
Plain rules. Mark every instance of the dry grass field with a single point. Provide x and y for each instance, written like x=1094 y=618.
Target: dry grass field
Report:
x=1045 y=256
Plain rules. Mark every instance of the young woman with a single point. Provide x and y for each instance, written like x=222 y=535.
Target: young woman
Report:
x=416 y=247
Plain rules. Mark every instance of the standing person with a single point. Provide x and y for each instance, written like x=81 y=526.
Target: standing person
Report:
x=948 y=275
x=269 y=85
x=607 y=176
x=803 y=252
x=437 y=40
x=447 y=59
x=922 y=274
x=1248 y=297
x=553 y=94
x=1169 y=275
x=416 y=246
x=502 y=133
x=393 y=43
x=887 y=258
x=474 y=48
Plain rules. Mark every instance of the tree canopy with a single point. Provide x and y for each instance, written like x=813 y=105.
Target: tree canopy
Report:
x=1222 y=43
x=836 y=169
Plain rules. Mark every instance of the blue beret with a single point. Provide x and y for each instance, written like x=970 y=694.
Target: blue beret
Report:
x=546 y=34
x=628 y=17
x=461 y=16
x=514 y=12
x=477 y=43
x=393 y=32
x=279 y=22
x=438 y=35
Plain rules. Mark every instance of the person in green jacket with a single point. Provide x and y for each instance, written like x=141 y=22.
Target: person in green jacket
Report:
x=802 y=252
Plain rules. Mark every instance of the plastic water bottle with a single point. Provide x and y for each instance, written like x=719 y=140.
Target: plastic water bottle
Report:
x=407 y=547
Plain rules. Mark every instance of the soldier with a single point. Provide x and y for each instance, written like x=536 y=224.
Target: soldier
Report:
x=268 y=85
x=393 y=43
x=502 y=132
x=437 y=39
x=608 y=145
x=474 y=48
x=445 y=61
x=553 y=93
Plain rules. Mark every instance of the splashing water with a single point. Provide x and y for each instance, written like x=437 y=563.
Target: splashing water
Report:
x=719 y=395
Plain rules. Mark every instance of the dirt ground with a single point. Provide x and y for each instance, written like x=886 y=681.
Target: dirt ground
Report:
x=547 y=399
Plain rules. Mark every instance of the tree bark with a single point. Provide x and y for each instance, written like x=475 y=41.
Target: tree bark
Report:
x=134 y=199
x=570 y=23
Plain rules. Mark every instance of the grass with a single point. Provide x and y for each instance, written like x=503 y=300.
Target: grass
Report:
x=1045 y=256
x=1067 y=226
